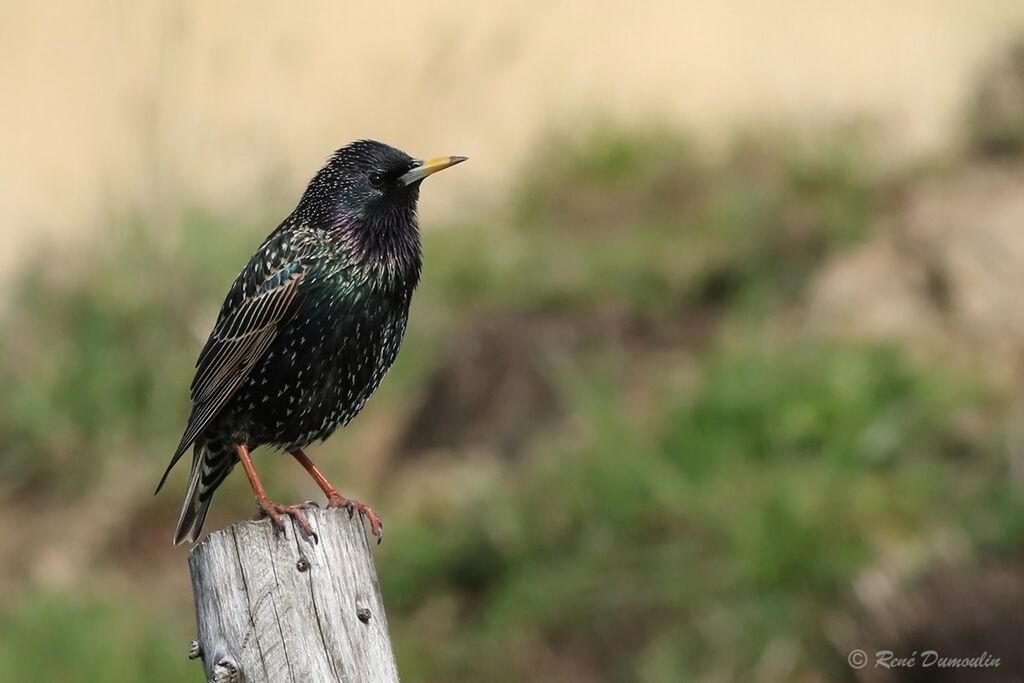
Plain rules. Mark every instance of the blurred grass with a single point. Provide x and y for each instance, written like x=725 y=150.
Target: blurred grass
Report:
x=687 y=550
x=641 y=220
x=688 y=540
x=63 y=637
x=104 y=347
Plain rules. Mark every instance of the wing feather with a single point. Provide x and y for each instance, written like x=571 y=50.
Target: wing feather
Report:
x=261 y=300
x=237 y=333
x=221 y=392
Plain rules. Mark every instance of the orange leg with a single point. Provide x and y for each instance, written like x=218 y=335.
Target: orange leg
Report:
x=335 y=499
x=267 y=506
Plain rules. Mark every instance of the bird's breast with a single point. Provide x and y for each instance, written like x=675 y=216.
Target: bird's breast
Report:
x=324 y=365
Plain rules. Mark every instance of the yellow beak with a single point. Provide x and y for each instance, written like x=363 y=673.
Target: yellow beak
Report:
x=429 y=167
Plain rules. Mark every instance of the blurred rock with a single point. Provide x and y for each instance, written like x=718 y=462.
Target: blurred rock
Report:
x=946 y=277
x=995 y=121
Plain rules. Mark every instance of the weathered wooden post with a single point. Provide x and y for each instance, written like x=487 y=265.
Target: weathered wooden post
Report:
x=278 y=608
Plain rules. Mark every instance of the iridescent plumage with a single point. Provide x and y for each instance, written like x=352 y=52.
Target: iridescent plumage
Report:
x=311 y=324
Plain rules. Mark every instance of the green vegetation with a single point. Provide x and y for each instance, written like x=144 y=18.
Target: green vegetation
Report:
x=643 y=222
x=697 y=506
x=102 y=348
x=689 y=546
x=66 y=638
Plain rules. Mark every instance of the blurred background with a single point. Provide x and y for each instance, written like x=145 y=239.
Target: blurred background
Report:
x=715 y=372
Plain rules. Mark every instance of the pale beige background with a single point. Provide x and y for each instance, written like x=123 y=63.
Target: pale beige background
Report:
x=145 y=103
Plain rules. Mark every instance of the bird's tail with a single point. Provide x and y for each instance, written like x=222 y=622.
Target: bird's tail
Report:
x=211 y=464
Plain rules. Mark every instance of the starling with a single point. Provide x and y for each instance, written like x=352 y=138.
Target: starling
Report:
x=308 y=328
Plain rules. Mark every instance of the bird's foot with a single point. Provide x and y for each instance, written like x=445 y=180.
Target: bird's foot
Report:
x=275 y=511
x=336 y=500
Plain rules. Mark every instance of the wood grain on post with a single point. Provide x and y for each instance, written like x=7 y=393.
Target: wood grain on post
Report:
x=277 y=608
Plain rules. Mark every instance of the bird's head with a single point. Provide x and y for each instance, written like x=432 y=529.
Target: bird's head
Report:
x=371 y=183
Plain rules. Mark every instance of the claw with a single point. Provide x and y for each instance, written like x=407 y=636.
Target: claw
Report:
x=337 y=500
x=275 y=510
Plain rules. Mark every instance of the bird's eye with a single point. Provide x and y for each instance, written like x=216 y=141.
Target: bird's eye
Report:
x=377 y=179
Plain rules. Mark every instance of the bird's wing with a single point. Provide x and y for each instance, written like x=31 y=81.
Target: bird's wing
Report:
x=262 y=300
x=235 y=341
